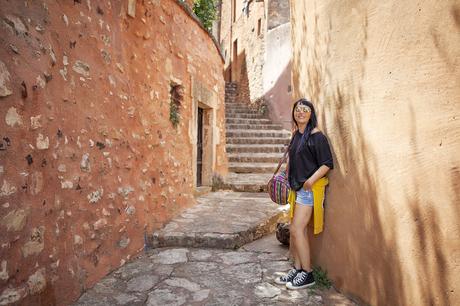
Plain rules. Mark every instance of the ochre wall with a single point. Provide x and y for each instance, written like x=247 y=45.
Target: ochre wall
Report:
x=384 y=76
x=89 y=160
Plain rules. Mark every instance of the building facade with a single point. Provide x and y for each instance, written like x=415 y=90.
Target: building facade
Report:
x=384 y=77
x=255 y=40
x=112 y=114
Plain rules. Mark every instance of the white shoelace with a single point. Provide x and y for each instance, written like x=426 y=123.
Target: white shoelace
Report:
x=300 y=278
x=289 y=275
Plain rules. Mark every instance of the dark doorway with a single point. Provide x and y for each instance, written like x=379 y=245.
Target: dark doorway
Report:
x=199 y=151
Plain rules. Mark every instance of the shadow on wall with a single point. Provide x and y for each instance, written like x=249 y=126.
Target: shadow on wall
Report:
x=244 y=95
x=362 y=246
x=364 y=238
x=279 y=100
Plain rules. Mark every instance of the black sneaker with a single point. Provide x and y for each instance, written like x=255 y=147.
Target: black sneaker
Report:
x=301 y=280
x=288 y=277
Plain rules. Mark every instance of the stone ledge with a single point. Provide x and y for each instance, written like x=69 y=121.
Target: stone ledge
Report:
x=225 y=220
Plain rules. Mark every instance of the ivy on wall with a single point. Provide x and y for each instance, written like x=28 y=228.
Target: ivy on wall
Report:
x=205 y=10
x=177 y=97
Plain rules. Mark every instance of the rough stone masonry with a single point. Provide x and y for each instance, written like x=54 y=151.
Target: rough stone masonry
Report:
x=89 y=160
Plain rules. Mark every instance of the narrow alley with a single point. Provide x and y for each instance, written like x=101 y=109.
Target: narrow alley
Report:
x=137 y=138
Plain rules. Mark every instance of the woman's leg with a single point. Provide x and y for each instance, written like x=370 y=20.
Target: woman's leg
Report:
x=293 y=250
x=299 y=237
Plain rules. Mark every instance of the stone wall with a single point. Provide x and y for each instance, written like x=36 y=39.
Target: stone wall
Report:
x=262 y=67
x=278 y=12
x=246 y=69
x=385 y=79
x=89 y=159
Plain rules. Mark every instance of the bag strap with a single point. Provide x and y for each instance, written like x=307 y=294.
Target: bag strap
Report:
x=283 y=159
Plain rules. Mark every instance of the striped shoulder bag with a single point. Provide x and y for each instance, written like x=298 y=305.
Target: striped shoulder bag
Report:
x=278 y=186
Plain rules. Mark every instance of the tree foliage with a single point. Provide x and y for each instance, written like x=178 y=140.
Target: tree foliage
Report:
x=205 y=10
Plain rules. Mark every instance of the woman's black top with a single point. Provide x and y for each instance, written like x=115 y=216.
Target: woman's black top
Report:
x=305 y=159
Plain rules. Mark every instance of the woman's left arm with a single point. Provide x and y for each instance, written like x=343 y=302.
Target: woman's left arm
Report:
x=316 y=176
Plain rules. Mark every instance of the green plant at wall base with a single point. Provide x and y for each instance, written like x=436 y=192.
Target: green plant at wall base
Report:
x=174 y=113
x=205 y=10
x=263 y=109
x=321 y=279
x=217 y=182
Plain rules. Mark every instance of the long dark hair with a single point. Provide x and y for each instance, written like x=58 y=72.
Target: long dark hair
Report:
x=311 y=124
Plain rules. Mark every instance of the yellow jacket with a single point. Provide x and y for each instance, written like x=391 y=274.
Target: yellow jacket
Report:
x=318 y=189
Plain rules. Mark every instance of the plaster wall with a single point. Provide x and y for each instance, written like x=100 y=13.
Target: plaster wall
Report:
x=384 y=77
x=89 y=159
x=277 y=74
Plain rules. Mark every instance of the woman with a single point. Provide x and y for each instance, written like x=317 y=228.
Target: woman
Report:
x=310 y=159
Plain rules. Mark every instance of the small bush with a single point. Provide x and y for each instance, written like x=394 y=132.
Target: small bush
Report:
x=205 y=10
x=217 y=182
x=321 y=279
x=174 y=116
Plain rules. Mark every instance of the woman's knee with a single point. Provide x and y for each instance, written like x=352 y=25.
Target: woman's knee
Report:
x=297 y=230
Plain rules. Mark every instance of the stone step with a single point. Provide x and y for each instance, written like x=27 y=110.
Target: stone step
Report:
x=258 y=140
x=231 y=111
x=254 y=127
x=247 y=182
x=244 y=115
x=252 y=167
x=247 y=121
x=236 y=105
x=254 y=157
x=223 y=219
x=258 y=133
x=255 y=148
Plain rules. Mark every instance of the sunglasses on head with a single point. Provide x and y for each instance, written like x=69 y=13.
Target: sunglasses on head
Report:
x=302 y=108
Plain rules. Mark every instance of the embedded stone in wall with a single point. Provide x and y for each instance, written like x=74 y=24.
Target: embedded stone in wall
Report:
x=81 y=68
x=4 y=272
x=100 y=224
x=132 y=8
x=112 y=81
x=67 y=185
x=85 y=163
x=106 y=56
x=16 y=24
x=120 y=67
x=5 y=86
x=40 y=82
x=35 y=122
x=130 y=210
x=7 y=189
x=52 y=55
x=95 y=196
x=14 y=48
x=77 y=240
x=12 y=295
x=124 y=242
x=65 y=19
x=36 y=243
x=12 y=117
x=125 y=191
x=63 y=73
x=37 y=281
x=42 y=142
x=15 y=220
x=35 y=183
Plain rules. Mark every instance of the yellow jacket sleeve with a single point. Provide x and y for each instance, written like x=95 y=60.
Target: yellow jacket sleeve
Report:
x=318 y=188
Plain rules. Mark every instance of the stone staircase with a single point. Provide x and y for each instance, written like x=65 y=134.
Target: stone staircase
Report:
x=254 y=147
x=242 y=212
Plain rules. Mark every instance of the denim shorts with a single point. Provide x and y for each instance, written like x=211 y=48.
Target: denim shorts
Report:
x=304 y=197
